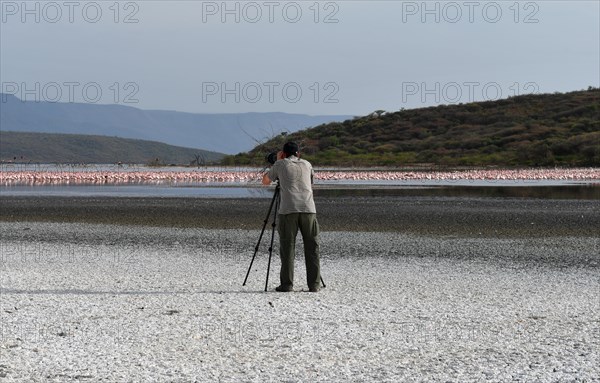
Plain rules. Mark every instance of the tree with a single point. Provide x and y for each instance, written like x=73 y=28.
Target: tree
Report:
x=200 y=159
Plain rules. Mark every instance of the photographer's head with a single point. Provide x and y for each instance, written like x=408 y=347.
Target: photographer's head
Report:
x=290 y=149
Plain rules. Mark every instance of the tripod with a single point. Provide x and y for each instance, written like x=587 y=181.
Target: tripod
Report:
x=274 y=202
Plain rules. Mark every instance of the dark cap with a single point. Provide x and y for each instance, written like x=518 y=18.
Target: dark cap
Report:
x=290 y=148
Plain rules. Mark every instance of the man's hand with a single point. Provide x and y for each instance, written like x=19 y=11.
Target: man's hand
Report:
x=266 y=180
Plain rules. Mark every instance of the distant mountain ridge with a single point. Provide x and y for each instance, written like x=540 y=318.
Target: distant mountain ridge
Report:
x=21 y=147
x=225 y=133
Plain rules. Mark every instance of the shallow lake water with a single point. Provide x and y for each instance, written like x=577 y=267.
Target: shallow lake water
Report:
x=542 y=189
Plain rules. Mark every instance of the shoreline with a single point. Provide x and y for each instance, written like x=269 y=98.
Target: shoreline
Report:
x=444 y=216
x=39 y=242
x=156 y=283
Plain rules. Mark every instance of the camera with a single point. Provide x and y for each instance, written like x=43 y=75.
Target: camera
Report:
x=271 y=157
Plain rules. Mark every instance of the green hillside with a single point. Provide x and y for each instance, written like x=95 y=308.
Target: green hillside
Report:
x=531 y=130
x=77 y=148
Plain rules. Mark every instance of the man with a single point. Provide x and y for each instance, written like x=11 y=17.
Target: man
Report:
x=296 y=211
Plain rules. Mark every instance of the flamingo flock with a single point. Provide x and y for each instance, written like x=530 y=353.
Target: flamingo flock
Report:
x=249 y=176
x=579 y=174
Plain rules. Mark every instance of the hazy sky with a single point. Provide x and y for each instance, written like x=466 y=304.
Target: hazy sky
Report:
x=339 y=57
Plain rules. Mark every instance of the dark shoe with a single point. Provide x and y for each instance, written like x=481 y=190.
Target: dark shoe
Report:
x=284 y=289
x=314 y=289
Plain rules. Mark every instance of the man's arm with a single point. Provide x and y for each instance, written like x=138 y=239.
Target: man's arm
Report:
x=266 y=179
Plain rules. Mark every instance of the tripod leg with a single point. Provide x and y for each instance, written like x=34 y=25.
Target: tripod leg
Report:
x=272 y=235
x=323 y=283
x=261 y=235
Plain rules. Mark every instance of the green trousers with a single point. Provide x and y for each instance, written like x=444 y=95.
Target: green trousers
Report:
x=288 y=229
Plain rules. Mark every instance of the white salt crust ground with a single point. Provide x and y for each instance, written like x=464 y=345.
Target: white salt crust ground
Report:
x=97 y=303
